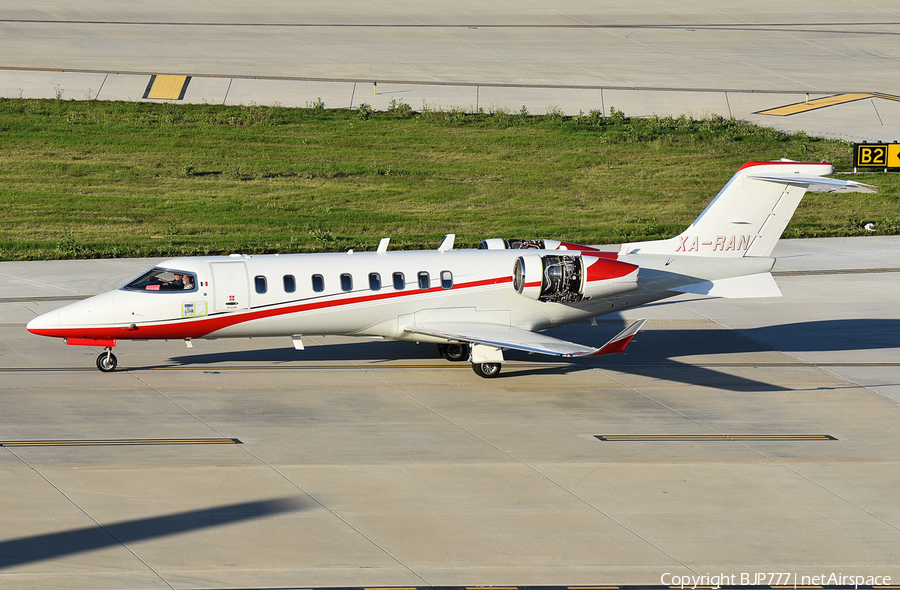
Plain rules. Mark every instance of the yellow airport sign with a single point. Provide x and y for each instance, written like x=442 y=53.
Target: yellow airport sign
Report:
x=893 y=155
x=885 y=156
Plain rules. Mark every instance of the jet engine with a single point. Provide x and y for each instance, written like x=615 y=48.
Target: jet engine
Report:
x=529 y=244
x=570 y=278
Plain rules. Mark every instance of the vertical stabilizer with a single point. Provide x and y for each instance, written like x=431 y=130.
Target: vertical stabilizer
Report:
x=750 y=213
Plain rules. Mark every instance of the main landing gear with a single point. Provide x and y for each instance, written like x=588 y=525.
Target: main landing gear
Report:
x=455 y=351
x=107 y=361
x=486 y=370
x=459 y=351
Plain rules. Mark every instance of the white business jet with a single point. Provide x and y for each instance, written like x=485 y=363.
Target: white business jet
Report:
x=473 y=304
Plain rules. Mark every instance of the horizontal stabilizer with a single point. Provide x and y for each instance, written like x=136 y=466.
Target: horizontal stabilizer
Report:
x=524 y=340
x=746 y=287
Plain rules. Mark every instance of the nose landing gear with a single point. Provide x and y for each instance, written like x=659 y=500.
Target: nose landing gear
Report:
x=107 y=361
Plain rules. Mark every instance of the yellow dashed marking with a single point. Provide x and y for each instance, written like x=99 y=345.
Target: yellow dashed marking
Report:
x=819 y=103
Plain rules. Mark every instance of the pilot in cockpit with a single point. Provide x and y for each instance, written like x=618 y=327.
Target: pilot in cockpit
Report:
x=176 y=284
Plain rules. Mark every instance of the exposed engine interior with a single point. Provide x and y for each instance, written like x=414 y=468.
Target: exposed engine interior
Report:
x=562 y=279
x=514 y=244
x=560 y=276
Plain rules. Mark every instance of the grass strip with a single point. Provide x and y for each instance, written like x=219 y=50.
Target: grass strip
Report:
x=90 y=179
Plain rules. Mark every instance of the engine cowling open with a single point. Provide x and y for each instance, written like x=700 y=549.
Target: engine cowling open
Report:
x=530 y=244
x=570 y=278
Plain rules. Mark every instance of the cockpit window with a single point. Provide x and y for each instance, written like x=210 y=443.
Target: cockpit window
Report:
x=162 y=279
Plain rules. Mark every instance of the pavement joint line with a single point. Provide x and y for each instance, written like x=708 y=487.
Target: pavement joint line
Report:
x=710 y=437
x=280 y=474
x=421 y=25
x=96 y=522
x=34 y=282
x=332 y=512
x=839 y=271
x=773 y=458
x=43 y=298
x=460 y=366
x=556 y=587
x=425 y=82
x=324 y=506
x=119 y=442
x=528 y=465
x=759 y=452
x=869 y=388
x=552 y=587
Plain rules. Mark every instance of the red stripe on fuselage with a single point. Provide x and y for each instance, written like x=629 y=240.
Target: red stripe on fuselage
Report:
x=198 y=328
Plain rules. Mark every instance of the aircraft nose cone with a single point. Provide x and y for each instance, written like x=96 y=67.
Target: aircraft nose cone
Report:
x=98 y=312
x=45 y=324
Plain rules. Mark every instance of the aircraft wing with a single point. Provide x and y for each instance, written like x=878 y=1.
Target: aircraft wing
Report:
x=518 y=339
x=820 y=184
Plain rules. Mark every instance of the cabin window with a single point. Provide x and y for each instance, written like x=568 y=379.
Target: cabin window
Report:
x=290 y=284
x=424 y=280
x=260 y=282
x=374 y=281
x=318 y=283
x=446 y=279
x=161 y=279
x=346 y=282
x=399 y=281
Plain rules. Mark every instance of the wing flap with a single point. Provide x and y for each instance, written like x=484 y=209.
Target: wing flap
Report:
x=525 y=340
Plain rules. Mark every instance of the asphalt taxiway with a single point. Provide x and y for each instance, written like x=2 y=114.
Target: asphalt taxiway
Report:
x=827 y=68
x=758 y=435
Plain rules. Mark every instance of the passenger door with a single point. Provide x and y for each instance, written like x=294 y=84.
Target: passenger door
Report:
x=231 y=289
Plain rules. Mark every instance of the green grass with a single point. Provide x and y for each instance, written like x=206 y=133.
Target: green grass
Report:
x=107 y=179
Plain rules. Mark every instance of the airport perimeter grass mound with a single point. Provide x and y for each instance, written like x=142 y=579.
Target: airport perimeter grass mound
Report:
x=126 y=179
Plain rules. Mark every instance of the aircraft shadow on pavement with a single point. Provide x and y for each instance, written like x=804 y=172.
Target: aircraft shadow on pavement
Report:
x=653 y=353
x=54 y=545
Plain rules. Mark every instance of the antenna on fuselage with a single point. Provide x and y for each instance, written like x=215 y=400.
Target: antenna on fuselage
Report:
x=383 y=244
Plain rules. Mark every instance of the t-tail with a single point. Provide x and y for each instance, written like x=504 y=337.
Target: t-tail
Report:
x=750 y=213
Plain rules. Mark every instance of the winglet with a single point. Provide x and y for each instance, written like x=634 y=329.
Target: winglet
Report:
x=620 y=340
